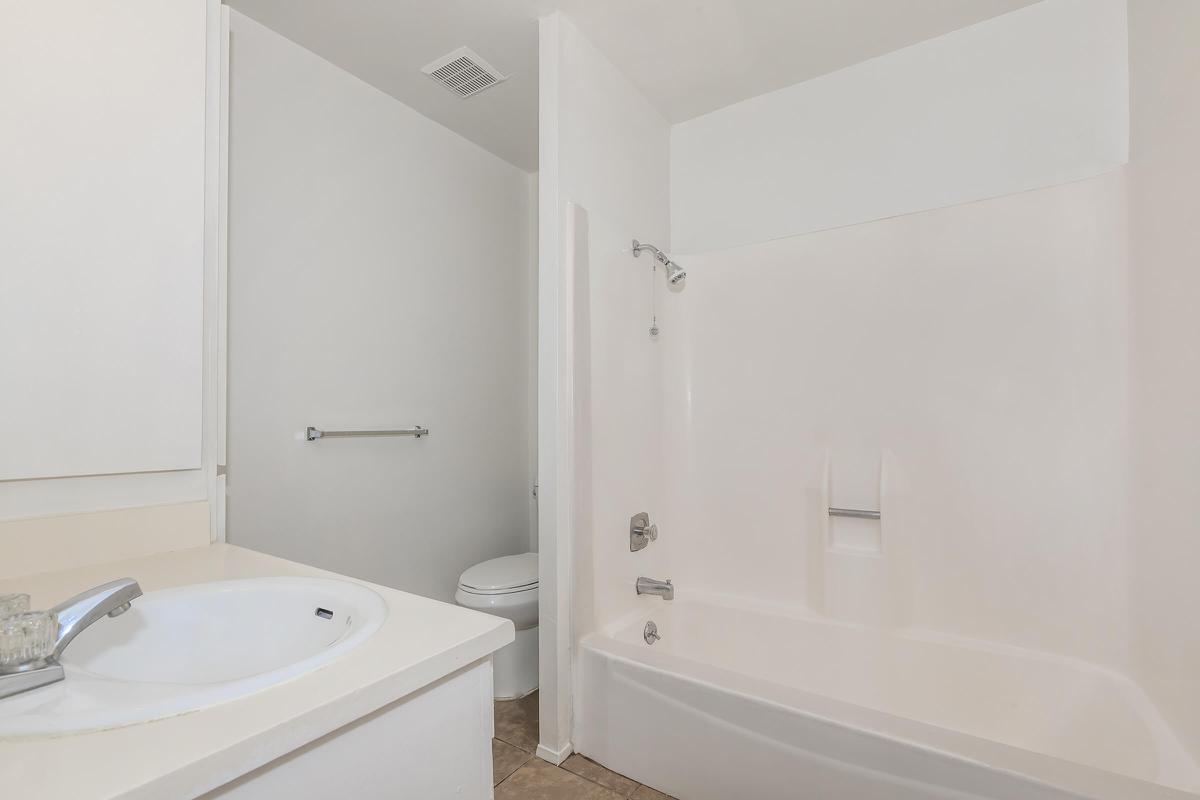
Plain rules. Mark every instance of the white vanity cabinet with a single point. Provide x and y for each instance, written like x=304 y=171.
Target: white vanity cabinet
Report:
x=433 y=745
x=403 y=712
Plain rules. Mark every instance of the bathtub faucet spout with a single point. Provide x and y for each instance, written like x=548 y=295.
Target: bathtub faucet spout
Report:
x=663 y=589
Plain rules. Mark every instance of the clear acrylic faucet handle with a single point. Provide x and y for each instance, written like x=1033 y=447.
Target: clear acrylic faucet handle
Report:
x=26 y=638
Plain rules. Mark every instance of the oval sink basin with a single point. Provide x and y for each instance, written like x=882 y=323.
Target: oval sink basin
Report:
x=182 y=649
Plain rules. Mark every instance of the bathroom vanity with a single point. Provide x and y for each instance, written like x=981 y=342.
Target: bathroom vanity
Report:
x=371 y=693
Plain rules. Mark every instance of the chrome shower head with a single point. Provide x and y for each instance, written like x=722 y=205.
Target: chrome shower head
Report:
x=675 y=273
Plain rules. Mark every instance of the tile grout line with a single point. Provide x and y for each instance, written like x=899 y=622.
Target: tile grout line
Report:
x=576 y=774
x=598 y=783
x=519 y=766
x=636 y=785
x=513 y=744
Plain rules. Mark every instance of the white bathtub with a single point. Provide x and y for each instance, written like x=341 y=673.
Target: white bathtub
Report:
x=737 y=703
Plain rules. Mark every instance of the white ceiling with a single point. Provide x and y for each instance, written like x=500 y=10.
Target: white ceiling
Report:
x=688 y=57
x=386 y=42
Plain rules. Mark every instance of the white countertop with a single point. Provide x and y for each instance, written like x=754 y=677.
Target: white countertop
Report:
x=421 y=641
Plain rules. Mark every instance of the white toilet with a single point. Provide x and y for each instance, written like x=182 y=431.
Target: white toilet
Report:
x=508 y=587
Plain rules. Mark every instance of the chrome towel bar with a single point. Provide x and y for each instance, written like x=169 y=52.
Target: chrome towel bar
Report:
x=316 y=433
x=853 y=512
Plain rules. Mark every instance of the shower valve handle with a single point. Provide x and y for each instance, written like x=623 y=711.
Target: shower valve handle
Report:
x=641 y=532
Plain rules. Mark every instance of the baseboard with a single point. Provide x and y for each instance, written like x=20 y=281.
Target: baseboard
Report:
x=555 y=757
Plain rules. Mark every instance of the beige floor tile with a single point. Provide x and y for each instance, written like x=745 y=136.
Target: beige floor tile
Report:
x=506 y=759
x=646 y=793
x=539 y=780
x=517 y=722
x=602 y=775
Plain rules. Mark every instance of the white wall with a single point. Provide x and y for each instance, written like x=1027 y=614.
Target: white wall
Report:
x=1164 y=174
x=531 y=415
x=1034 y=98
x=604 y=181
x=378 y=277
x=101 y=295
x=614 y=170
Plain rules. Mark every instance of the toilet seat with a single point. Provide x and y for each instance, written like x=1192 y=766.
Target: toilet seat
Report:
x=504 y=575
x=520 y=607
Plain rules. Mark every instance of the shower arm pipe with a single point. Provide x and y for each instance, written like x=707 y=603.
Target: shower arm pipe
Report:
x=638 y=247
x=675 y=273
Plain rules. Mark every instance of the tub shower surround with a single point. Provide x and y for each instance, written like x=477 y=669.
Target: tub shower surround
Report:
x=873 y=621
x=888 y=464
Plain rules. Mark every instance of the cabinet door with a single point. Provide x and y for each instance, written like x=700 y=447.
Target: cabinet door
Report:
x=101 y=236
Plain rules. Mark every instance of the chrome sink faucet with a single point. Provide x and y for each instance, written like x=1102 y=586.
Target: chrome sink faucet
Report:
x=71 y=617
x=111 y=599
x=663 y=589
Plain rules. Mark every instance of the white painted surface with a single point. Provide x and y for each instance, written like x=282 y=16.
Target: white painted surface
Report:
x=216 y=252
x=1029 y=99
x=759 y=703
x=103 y=238
x=691 y=58
x=420 y=642
x=378 y=275
x=30 y=504
x=69 y=541
x=220 y=240
x=555 y=477
x=1164 y=251
x=614 y=171
x=687 y=60
x=22 y=500
x=386 y=43
x=605 y=157
x=434 y=745
x=531 y=358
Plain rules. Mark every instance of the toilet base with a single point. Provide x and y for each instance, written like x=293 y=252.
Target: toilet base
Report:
x=515 y=666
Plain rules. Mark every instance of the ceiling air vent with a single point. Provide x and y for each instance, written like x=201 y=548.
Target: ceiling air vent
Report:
x=463 y=72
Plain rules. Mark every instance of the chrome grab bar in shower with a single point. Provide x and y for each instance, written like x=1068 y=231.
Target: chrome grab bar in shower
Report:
x=857 y=513
x=316 y=433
